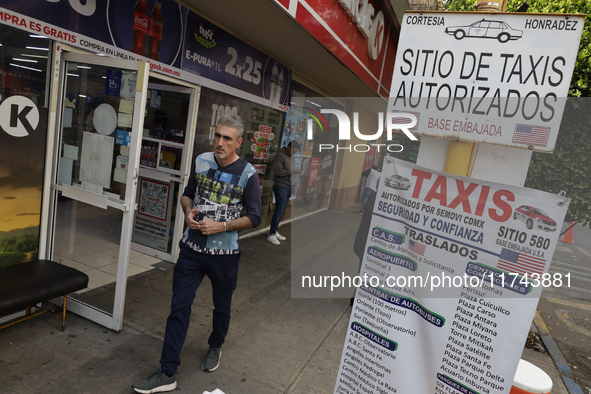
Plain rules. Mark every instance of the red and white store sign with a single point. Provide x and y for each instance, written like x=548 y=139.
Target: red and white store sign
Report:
x=358 y=32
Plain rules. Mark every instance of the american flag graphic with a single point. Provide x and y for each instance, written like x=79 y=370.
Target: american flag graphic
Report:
x=416 y=247
x=513 y=261
x=405 y=120
x=531 y=135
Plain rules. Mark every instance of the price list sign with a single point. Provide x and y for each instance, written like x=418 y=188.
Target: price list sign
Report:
x=449 y=282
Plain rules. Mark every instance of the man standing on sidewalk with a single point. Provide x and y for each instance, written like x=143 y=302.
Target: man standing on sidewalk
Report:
x=371 y=186
x=282 y=172
x=220 y=186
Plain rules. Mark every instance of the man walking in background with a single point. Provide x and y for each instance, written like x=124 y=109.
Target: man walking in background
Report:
x=220 y=186
x=282 y=170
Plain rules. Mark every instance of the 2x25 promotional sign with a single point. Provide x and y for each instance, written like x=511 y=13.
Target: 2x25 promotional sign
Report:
x=494 y=78
x=455 y=268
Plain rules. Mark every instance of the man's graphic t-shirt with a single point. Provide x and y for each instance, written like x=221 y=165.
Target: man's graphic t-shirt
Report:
x=220 y=194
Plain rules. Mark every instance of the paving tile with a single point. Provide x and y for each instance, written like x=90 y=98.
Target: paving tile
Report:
x=95 y=259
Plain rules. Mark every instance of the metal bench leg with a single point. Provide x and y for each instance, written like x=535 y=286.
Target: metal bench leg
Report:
x=27 y=316
x=64 y=313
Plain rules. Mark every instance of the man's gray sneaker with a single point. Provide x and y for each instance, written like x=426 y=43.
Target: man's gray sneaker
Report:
x=156 y=383
x=212 y=360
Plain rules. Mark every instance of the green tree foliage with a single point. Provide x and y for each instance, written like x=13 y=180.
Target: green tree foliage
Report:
x=568 y=168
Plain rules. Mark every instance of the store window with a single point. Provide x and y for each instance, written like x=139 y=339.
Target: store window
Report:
x=164 y=128
x=23 y=64
x=261 y=143
x=409 y=153
x=23 y=72
x=162 y=152
x=317 y=166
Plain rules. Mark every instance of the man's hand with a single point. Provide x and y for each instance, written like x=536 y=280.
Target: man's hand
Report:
x=209 y=227
x=190 y=219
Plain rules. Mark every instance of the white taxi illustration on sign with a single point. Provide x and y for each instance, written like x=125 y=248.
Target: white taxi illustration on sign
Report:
x=485 y=29
x=397 y=182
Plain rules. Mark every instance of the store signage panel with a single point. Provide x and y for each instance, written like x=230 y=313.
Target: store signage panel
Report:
x=494 y=78
x=358 y=33
x=110 y=28
x=111 y=23
x=86 y=20
x=215 y=54
x=454 y=268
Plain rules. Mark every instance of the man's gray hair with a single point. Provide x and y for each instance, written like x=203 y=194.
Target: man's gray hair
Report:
x=232 y=121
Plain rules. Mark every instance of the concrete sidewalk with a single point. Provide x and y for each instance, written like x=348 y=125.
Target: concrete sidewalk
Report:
x=276 y=343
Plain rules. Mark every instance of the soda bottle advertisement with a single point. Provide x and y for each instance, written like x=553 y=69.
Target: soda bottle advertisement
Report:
x=141 y=28
x=155 y=32
x=164 y=30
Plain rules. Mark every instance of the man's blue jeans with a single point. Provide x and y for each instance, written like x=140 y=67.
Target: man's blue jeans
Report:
x=189 y=271
x=366 y=193
x=282 y=195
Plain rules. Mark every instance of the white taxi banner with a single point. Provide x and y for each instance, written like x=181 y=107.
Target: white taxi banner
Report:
x=453 y=270
x=493 y=78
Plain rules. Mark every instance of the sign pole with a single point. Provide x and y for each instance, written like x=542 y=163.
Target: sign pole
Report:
x=460 y=154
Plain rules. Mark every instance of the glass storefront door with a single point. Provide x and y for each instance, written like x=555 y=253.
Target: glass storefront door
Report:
x=96 y=158
x=171 y=111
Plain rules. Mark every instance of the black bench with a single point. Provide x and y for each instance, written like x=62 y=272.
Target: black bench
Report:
x=25 y=285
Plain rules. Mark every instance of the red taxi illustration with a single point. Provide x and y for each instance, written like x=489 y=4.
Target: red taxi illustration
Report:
x=534 y=217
